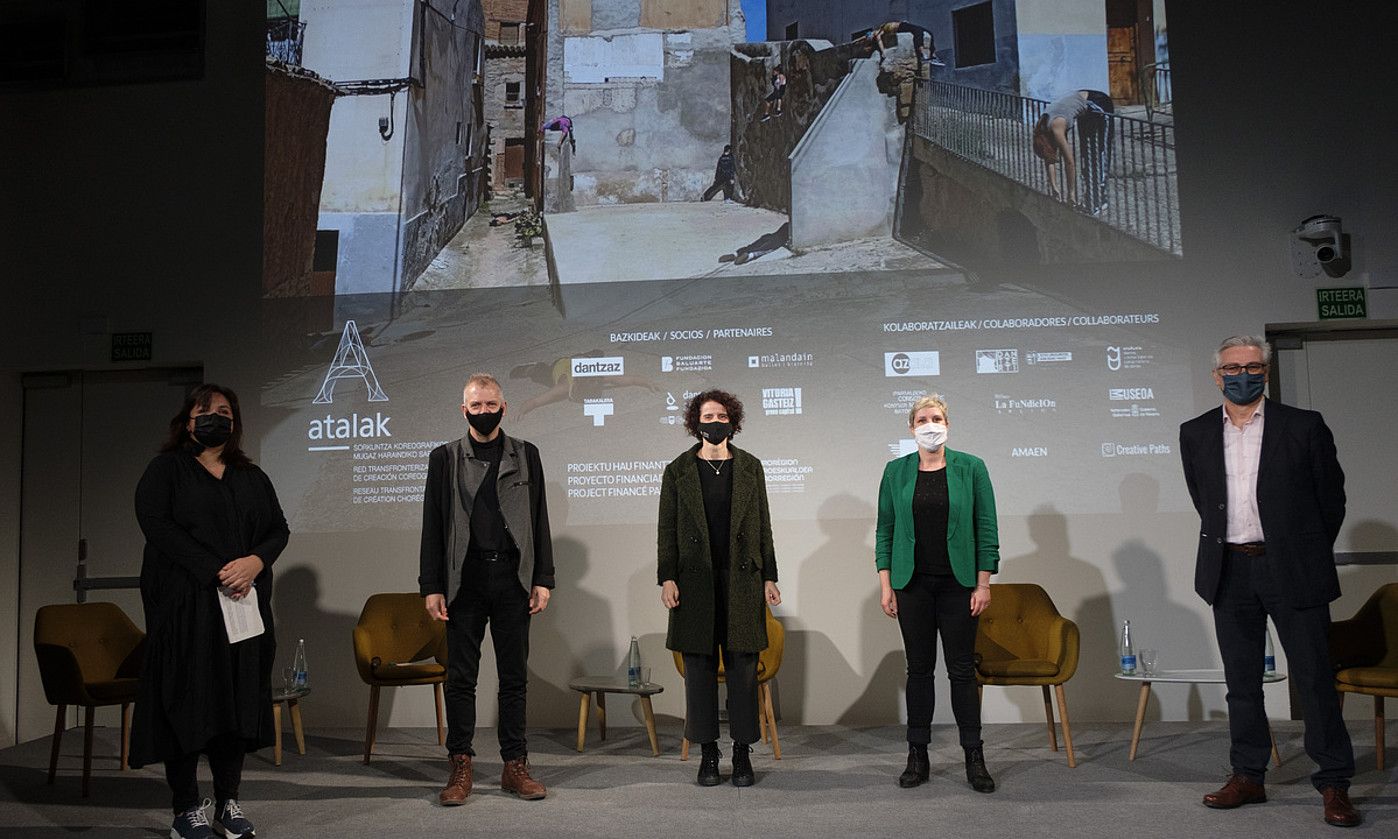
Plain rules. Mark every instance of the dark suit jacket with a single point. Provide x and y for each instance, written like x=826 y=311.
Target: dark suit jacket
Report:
x=683 y=555
x=1300 y=498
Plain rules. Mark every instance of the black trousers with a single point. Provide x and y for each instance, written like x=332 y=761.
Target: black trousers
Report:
x=929 y=605
x=726 y=185
x=490 y=593
x=225 y=754
x=1095 y=148
x=1247 y=594
x=701 y=696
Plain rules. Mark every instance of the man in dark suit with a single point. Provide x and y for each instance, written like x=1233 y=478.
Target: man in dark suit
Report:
x=1271 y=497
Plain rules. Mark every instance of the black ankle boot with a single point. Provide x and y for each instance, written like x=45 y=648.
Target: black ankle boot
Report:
x=743 y=775
x=918 y=767
x=975 y=770
x=708 y=766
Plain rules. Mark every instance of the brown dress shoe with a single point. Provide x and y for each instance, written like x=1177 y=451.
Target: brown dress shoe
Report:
x=1338 y=810
x=1237 y=792
x=459 y=784
x=516 y=779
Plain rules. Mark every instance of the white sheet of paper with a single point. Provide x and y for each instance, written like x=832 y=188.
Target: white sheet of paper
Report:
x=241 y=618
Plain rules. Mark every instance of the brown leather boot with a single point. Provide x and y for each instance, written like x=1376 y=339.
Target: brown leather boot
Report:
x=516 y=779
x=1338 y=809
x=459 y=784
x=1237 y=792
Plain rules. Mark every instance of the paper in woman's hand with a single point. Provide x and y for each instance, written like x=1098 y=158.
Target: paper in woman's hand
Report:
x=241 y=618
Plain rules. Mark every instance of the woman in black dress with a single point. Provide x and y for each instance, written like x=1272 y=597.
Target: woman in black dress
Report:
x=716 y=567
x=213 y=528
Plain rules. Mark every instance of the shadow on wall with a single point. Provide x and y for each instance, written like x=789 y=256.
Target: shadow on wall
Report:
x=340 y=698
x=761 y=148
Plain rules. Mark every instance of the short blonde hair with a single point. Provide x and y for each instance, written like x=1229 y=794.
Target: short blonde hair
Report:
x=483 y=380
x=931 y=400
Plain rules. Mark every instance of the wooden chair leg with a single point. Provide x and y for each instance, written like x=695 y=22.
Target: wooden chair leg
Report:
x=372 y=729
x=584 y=703
x=1067 y=728
x=1378 y=732
x=1048 y=715
x=89 y=712
x=125 y=736
x=771 y=719
x=294 y=706
x=276 y=734
x=684 y=740
x=649 y=714
x=57 y=741
x=762 y=716
x=602 y=713
x=1272 y=738
x=441 y=718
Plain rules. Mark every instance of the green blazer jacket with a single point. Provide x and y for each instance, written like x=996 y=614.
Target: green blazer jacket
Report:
x=973 y=537
x=683 y=556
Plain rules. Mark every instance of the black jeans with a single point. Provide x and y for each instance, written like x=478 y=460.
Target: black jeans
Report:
x=726 y=185
x=701 y=696
x=1095 y=149
x=490 y=593
x=225 y=755
x=932 y=604
x=1247 y=594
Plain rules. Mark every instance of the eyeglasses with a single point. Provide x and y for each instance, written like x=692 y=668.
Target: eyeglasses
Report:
x=1234 y=369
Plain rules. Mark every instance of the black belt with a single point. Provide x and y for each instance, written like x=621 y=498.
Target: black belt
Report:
x=1247 y=548
x=493 y=556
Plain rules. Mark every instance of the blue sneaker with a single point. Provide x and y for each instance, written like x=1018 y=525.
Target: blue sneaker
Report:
x=192 y=824
x=229 y=821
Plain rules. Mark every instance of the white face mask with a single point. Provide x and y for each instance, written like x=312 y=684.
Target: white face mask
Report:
x=931 y=435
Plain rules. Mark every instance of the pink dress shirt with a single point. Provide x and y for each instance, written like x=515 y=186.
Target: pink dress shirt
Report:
x=1242 y=452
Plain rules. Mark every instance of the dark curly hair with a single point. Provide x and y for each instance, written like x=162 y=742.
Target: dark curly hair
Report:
x=722 y=397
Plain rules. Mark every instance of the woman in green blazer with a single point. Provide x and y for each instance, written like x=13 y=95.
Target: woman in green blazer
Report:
x=935 y=547
x=716 y=567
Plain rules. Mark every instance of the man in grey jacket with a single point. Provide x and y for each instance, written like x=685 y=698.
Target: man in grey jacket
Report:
x=487 y=557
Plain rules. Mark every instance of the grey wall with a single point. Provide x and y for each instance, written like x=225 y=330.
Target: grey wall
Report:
x=157 y=226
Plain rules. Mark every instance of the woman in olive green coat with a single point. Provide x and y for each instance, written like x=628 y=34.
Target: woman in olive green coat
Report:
x=716 y=568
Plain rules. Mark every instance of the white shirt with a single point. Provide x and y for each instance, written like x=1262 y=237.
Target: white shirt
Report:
x=1242 y=452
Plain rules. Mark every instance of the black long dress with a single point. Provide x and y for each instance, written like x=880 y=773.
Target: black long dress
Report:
x=195 y=685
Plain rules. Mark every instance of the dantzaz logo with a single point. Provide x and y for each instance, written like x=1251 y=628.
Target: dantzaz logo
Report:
x=598 y=409
x=1127 y=358
x=1135 y=449
x=592 y=366
x=924 y=363
x=997 y=361
x=782 y=359
x=1011 y=405
x=700 y=363
x=779 y=401
x=350 y=361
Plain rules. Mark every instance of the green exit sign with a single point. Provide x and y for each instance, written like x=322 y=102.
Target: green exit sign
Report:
x=131 y=346
x=1335 y=303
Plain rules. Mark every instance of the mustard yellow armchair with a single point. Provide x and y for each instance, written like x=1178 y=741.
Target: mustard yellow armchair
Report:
x=1023 y=640
x=397 y=644
x=769 y=661
x=90 y=654
x=1364 y=653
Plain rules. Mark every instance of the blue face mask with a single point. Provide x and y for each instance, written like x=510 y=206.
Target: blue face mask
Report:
x=1244 y=388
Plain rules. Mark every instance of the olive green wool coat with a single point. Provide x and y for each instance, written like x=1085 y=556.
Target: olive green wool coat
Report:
x=683 y=556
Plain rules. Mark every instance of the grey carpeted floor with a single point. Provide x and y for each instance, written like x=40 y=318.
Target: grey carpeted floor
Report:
x=832 y=781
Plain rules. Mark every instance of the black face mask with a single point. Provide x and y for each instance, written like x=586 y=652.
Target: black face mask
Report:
x=212 y=430
x=715 y=432
x=485 y=423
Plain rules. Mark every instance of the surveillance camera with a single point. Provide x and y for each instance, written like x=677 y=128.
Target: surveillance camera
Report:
x=1319 y=243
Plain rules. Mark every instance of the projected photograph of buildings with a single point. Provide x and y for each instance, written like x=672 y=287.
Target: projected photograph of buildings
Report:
x=416 y=147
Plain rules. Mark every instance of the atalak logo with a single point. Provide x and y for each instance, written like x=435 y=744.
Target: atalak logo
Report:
x=590 y=366
x=925 y=363
x=350 y=361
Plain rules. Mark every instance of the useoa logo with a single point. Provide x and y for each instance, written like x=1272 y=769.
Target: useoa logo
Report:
x=591 y=366
x=923 y=363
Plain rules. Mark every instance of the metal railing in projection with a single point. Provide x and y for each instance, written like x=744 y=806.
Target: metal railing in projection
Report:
x=1127 y=177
